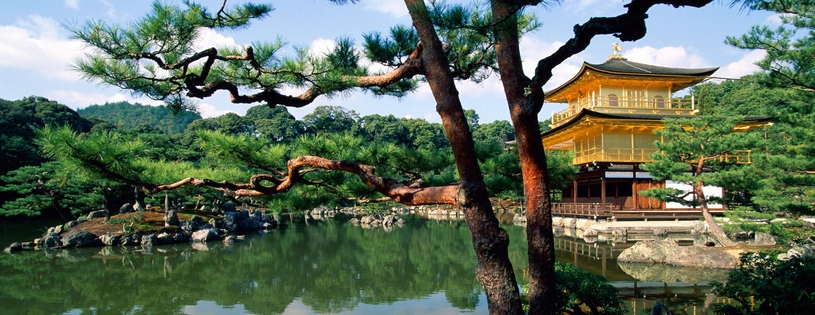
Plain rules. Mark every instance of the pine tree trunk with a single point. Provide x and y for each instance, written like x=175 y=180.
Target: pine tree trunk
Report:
x=714 y=227
x=524 y=110
x=494 y=270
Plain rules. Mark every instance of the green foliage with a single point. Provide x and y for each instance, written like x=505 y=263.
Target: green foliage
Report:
x=38 y=189
x=129 y=116
x=697 y=150
x=581 y=292
x=19 y=120
x=765 y=285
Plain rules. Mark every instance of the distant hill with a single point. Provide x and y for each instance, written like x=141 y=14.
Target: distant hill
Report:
x=127 y=116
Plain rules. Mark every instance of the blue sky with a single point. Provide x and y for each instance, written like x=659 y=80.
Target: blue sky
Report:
x=36 y=51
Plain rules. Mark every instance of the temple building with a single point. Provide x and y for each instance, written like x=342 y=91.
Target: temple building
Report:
x=613 y=110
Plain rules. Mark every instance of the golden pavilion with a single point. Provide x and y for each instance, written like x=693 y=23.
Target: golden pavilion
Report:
x=613 y=109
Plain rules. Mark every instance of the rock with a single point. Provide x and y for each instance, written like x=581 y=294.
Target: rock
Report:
x=388 y=220
x=800 y=251
x=14 y=247
x=181 y=237
x=130 y=240
x=197 y=220
x=171 y=218
x=573 y=224
x=204 y=235
x=69 y=225
x=229 y=239
x=590 y=233
x=228 y=207
x=97 y=214
x=660 y=232
x=28 y=245
x=52 y=240
x=164 y=238
x=125 y=208
x=366 y=219
x=149 y=240
x=57 y=229
x=268 y=226
x=80 y=238
x=763 y=239
x=669 y=253
x=111 y=239
x=354 y=221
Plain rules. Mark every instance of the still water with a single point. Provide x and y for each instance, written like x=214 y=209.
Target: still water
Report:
x=303 y=267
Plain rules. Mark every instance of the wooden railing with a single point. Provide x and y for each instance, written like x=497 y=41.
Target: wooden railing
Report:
x=608 y=210
x=613 y=154
x=584 y=209
x=604 y=104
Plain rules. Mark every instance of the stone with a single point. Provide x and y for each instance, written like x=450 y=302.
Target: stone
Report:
x=354 y=221
x=573 y=224
x=171 y=218
x=69 y=225
x=149 y=240
x=97 y=214
x=189 y=226
x=111 y=239
x=590 y=233
x=204 y=235
x=80 y=238
x=388 y=220
x=164 y=238
x=660 y=232
x=228 y=207
x=52 y=240
x=57 y=229
x=669 y=253
x=129 y=240
x=14 y=247
x=764 y=239
x=197 y=220
x=125 y=208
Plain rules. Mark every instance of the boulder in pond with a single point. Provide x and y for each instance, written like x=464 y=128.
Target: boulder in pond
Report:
x=111 y=239
x=204 y=235
x=80 y=238
x=14 y=247
x=668 y=252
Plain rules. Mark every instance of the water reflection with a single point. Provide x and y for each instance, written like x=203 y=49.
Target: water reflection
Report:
x=324 y=266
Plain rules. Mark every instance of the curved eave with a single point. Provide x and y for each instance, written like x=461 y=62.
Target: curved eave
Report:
x=649 y=121
x=691 y=77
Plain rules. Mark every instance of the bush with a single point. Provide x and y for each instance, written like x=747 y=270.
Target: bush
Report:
x=765 y=285
x=581 y=292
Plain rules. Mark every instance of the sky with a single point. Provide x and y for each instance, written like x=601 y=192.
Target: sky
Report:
x=37 y=52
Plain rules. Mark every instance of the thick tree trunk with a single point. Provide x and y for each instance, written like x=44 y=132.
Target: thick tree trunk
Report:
x=494 y=270
x=714 y=227
x=524 y=107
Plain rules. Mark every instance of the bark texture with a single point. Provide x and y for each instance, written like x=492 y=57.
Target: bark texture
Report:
x=493 y=271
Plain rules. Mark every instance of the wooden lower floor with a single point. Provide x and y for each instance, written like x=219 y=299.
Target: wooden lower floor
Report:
x=603 y=191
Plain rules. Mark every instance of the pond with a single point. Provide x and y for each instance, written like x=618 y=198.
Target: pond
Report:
x=303 y=267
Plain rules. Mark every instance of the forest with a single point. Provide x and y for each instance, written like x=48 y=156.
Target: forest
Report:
x=35 y=184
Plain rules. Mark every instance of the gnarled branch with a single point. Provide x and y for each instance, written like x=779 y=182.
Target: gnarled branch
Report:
x=409 y=195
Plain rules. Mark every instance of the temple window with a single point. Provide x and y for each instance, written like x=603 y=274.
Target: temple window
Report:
x=612 y=100
x=659 y=101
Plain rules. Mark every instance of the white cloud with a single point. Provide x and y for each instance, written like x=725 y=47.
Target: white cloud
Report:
x=669 y=56
x=38 y=43
x=394 y=7
x=773 y=20
x=322 y=46
x=208 y=110
x=76 y=99
x=744 y=66
x=208 y=38
x=73 y=4
x=591 y=5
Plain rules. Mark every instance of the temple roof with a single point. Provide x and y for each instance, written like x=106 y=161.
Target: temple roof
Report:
x=619 y=67
x=623 y=66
